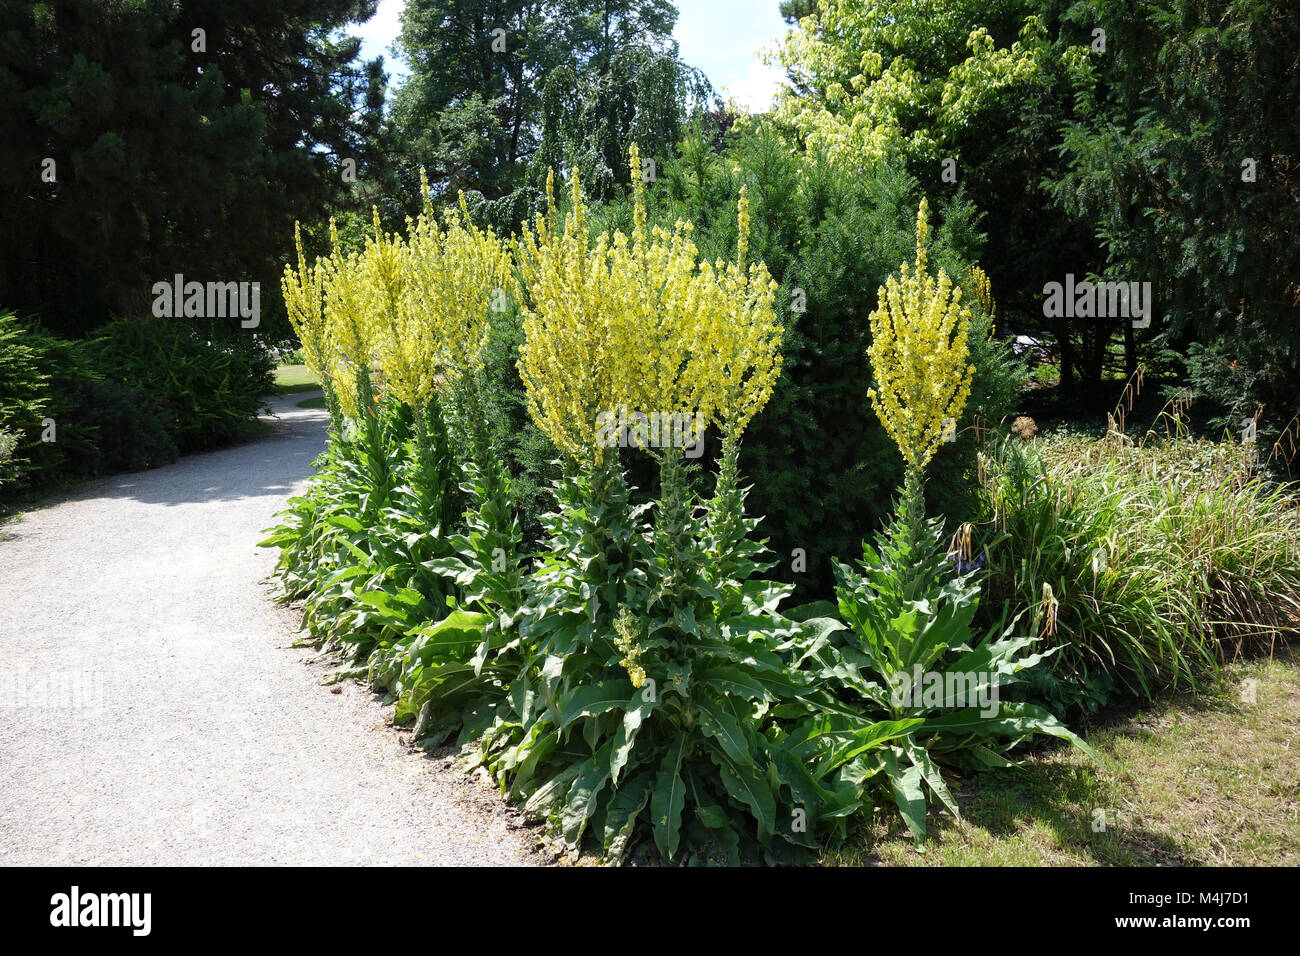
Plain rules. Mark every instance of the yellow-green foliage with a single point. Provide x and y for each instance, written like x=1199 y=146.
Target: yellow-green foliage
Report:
x=638 y=321
x=867 y=84
x=919 y=354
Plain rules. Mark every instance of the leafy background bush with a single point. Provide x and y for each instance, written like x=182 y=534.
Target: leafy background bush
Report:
x=135 y=396
x=125 y=427
x=208 y=393
x=8 y=443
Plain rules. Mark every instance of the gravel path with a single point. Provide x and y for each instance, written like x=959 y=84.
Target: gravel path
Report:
x=151 y=712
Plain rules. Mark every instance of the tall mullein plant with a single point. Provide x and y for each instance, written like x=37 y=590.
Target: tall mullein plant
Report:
x=399 y=328
x=909 y=611
x=459 y=274
x=746 y=352
x=354 y=290
x=710 y=355
x=640 y=705
x=920 y=360
x=566 y=366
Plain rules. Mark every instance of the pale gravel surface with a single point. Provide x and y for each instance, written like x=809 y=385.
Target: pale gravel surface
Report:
x=151 y=711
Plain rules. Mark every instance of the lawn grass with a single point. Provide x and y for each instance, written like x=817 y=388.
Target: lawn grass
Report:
x=317 y=402
x=1201 y=780
x=295 y=378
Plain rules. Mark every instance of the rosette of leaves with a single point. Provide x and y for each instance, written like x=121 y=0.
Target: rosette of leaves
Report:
x=357 y=547
x=449 y=675
x=908 y=614
x=635 y=710
x=659 y=699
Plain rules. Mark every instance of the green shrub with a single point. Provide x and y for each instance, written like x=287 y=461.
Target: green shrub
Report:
x=639 y=681
x=43 y=382
x=209 y=394
x=97 y=424
x=124 y=429
x=8 y=443
x=24 y=382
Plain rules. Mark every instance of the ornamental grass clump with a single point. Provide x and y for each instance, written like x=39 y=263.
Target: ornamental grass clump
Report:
x=1165 y=557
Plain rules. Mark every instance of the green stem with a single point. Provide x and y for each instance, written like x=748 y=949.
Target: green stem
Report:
x=673 y=526
x=724 y=520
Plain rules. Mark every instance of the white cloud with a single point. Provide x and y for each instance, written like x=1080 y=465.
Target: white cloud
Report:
x=378 y=33
x=756 y=88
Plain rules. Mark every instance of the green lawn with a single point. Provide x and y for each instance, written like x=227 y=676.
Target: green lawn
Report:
x=295 y=378
x=1210 y=779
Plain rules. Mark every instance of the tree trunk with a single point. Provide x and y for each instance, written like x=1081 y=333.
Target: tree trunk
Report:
x=1067 y=360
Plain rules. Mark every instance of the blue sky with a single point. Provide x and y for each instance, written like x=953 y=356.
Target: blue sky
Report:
x=721 y=37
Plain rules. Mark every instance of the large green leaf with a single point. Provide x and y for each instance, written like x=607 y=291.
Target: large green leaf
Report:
x=637 y=709
x=851 y=744
x=669 y=799
x=625 y=806
x=908 y=796
x=747 y=786
x=580 y=804
x=591 y=699
x=720 y=723
x=1013 y=719
x=930 y=773
x=732 y=680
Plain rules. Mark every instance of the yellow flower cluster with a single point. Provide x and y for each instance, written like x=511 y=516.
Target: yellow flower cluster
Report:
x=919 y=354
x=983 y=289
x=637 y=321
x=456 y=276
x=411 y=309
x=304 y=298
x=625 y=640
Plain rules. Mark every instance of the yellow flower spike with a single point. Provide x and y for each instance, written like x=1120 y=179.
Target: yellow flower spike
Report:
x=919 y=354
x=628 y=645
x=742 y=223
x=922 y=234
x=638 y=323
x=304 y=303
x=983 y=289
x=426 y=201
x=413 y=310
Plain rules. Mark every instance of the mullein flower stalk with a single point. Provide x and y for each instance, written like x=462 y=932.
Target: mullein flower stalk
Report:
x=920 y=359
